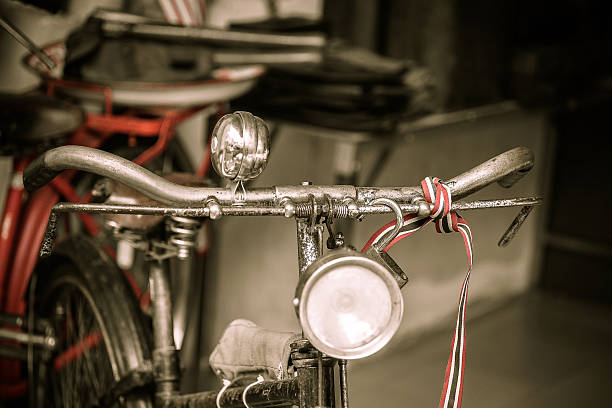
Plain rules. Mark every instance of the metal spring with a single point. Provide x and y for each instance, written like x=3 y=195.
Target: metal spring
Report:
x=184 y=234
x=340 y=211
x=303 y=210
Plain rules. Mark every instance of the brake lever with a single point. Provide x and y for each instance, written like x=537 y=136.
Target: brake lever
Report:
x=516 y=224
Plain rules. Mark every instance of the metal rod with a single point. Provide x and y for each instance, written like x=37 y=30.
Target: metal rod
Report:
x=131 y=209
x=165 y=356
x=25 y=338
x=342 y=373
x=306 y=244
x=266 y=210
x=23 y=39
x=267 y=393
x=515 y=226
x=320 y=379
x=499 y=203
x=309 y=243
x=214 y=36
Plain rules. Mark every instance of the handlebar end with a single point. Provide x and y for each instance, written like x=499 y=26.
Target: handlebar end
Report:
x=37 y=174
x=528 y=162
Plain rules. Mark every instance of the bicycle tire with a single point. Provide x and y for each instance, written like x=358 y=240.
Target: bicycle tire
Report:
x=101 y=336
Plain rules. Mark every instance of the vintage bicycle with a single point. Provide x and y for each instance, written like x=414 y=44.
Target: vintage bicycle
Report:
x=89 y=344
x=134 y=120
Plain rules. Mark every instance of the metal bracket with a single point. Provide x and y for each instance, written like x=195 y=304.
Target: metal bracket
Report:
x=516 y=224
x=160 y=251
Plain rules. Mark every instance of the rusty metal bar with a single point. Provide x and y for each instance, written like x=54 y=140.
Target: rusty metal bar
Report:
x=265 y=394
x=25 y=338
x=342 y=373
x=265 y=210
x=42 y=170
x=515 y=226
x=165 y=356
x=309 y=243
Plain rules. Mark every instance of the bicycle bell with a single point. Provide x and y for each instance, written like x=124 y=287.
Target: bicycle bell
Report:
x=240 y=146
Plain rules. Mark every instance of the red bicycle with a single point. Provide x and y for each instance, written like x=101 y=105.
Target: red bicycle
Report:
x=31 y=124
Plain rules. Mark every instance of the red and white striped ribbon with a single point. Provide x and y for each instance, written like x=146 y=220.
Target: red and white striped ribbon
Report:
x=438 y=194
x=191 y=13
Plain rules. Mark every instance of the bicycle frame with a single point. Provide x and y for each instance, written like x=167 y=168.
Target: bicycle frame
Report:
x=19 y=238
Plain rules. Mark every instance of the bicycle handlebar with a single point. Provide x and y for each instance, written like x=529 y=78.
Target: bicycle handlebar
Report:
x=506 y=168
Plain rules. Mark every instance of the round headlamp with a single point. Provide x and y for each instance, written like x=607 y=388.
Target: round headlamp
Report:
x=348 y=304
x=240 y=146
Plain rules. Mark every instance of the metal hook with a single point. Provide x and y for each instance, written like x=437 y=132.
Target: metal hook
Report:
x=260 y=379
x=238 y=192
x=226 y=384
x=514 y=226
x=382 y=244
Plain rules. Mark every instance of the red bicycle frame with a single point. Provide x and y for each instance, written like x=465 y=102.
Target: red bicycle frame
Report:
x=22 y=226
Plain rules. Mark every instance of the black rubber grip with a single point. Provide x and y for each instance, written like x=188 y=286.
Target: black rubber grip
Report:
x=37 y=174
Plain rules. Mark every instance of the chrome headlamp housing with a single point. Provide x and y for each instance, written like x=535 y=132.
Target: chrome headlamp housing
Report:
x=348 y=304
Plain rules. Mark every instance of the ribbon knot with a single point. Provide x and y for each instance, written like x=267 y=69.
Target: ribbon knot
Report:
x=438 y=193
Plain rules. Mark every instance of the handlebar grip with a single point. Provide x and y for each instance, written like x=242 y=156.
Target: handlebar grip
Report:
x=37 y=174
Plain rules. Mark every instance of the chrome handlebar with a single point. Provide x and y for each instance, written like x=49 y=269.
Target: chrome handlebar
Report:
x=301 y=201
x=349 y=201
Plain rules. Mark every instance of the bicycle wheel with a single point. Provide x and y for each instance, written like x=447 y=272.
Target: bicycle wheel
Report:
x=101 y=338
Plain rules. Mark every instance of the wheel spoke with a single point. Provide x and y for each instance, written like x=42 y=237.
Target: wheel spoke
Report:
x=81 y=370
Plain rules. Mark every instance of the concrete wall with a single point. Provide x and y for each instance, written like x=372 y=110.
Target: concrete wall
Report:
x=256 y=258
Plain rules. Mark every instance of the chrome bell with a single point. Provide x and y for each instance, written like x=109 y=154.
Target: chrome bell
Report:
x=240 y=146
